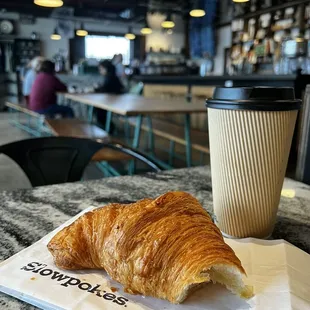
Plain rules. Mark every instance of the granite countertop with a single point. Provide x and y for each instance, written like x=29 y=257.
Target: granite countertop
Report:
x=28 y=215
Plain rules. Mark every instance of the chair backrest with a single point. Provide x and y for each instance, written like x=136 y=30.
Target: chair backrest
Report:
x=54 y=160
x=136 y=155
x=137 y=89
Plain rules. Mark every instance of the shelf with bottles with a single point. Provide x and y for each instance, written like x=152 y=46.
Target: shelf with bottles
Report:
x=270 y=36
x=267 y=24
x=255 y=8
x=25 y=50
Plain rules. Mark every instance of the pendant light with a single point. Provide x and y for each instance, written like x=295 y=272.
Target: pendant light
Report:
x=240 y=1
x=49 y=3
x=130 y=35
x=55 y=35
x=197 y=10
x=146 y=29
x=82 y=32
x=168 y=23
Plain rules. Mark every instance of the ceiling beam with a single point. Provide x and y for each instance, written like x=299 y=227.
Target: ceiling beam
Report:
x=108 y=10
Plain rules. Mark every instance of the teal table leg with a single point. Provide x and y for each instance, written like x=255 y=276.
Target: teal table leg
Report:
x=116 y=118
x=136 y=141
x=188 y=140
x=150 y=136
x=102 y=167
x=171 y=152
x=108 y=122
x=107 y=169
x=82 y=110
x=90 y=113
x=40 y=126
x=18 y=118
x=11 y=115
x=127 y=130
x=113 y=172
x=146 y=147
x=136 y=138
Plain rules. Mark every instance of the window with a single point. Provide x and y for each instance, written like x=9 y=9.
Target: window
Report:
x=105 y=47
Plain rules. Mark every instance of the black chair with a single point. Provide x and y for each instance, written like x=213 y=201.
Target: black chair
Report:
x=55 y=160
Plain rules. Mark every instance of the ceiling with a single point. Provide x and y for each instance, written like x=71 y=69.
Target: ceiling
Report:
x=120 y=10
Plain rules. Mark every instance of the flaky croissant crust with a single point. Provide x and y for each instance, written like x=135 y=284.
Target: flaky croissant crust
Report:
x=157 y=248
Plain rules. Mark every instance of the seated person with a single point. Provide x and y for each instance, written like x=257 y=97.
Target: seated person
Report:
x=117 y=61
x=28 y=81
x=111 y=85
x=43 y=97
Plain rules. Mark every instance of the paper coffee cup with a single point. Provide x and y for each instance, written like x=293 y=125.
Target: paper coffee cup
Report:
x=250 y=133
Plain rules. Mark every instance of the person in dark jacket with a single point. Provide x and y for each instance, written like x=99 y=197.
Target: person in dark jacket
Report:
x=111 y=85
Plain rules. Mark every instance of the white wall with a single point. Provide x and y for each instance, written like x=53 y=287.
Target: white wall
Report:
x=44 y=27
x=223 y=41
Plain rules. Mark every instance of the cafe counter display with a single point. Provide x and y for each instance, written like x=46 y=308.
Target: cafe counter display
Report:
x=28 y=215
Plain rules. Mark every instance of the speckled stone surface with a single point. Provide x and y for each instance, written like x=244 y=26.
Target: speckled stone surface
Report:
x=28 y=215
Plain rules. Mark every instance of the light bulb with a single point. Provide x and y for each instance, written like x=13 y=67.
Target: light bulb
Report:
x=56 y=37
x=168 y=24
x=130 y=36
x=82 y=33
x=49 y=3
x=197 y=13
x=146 y=30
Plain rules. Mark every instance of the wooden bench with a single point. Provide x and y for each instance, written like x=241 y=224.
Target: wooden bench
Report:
x=81 y=129
x=35 y=123
x=21 y=107
x=175 y=134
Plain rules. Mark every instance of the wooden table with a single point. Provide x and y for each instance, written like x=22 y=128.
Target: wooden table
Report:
x=134 y=105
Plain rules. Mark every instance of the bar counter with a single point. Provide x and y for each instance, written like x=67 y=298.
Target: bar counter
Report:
x=298 y=82
x=28 y=215
x=218 y=80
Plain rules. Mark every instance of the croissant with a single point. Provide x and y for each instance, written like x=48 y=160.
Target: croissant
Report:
x=165 y=248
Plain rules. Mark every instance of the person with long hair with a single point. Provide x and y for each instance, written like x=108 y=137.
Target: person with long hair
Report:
x=43 y=97
x=111 y=85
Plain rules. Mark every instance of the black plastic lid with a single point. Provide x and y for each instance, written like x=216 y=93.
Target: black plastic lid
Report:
x=254 y=98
